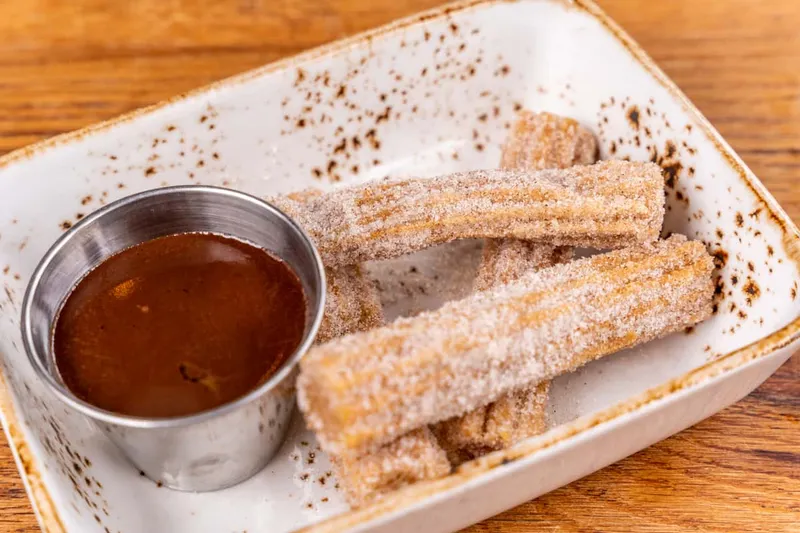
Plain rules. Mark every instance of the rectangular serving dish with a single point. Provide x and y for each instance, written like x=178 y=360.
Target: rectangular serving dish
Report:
x=430 y=94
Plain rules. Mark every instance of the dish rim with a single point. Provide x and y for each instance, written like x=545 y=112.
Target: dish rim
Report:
x=38 y=493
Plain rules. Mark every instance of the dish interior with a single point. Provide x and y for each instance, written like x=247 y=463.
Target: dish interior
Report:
x=423 y=99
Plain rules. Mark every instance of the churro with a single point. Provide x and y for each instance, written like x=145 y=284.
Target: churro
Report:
x=364 y=390
x=352 y=303
x=415 y=456
x=544 y=140
x=502 y=263
x=607 y=205
x=496 y=426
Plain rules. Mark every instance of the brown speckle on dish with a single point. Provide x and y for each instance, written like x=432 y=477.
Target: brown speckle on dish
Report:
x=633 y=117
x=719 y=288
x=751 y=290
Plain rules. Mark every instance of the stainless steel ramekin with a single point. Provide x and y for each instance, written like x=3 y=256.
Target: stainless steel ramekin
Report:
x=213 y=449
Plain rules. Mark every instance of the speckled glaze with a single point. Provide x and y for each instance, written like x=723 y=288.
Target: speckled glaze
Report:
x=428 y=95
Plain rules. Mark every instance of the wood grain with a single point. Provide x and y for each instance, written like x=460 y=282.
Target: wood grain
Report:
x=64 y=65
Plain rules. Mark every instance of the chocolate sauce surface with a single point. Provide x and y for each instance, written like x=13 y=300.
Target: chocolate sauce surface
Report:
x=178 y=325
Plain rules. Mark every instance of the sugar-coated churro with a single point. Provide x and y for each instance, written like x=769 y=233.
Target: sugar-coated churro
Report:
x=415 y=456
x=545 y=140
x=505 y=260
x=607 y=205
x=514 y=417
x=352 y=303
x=445 y=363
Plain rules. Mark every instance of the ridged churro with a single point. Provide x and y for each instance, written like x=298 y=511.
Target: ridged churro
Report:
x=544 y=140
x=352 y=304
x=503 y=423
x=607 y=205
x=501 y=264
x=447 y=362
x=410 y=458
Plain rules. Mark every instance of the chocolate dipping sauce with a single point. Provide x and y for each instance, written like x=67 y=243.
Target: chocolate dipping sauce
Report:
x=178 y=325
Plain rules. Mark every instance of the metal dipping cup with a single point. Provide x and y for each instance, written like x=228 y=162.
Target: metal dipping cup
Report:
x=212 y=449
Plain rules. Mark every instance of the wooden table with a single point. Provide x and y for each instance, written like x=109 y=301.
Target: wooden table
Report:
x=64 y=65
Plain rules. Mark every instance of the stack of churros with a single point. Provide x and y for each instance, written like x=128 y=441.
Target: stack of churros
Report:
x=404 y=402
x=537 y=141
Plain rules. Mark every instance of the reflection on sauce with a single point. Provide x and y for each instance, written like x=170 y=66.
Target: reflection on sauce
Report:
x=178 y=325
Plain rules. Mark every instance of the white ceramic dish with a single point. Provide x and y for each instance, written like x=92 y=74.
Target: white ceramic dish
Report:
x=426 y=95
